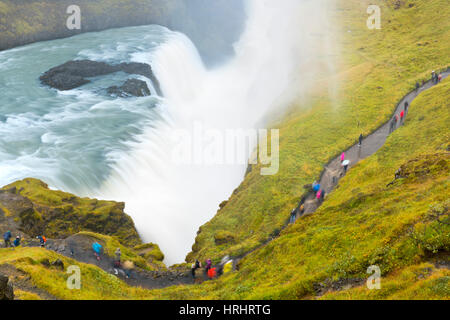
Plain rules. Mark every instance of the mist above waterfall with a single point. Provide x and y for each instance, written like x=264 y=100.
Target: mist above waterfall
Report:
x=169 y=201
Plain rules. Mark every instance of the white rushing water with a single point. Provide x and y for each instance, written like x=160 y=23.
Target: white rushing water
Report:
x=170 y=201
x=85 y=142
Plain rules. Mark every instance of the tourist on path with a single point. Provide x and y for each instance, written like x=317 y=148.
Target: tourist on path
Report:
x=16 y=242
x=361 y=137
x=7 y=238
x=208 y=265
x=293 y=216
x=97 y=247
x=42 y=241
x=196 y=265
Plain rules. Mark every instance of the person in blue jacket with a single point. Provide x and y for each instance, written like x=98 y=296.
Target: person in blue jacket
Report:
x=16 y=242
x=7 y=237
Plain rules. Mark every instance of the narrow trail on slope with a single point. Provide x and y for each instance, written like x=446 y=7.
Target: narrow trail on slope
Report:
x=79 y=248
x=333 y=170
x=329 y=179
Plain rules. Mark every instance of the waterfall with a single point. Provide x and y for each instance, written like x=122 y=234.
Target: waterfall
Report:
x=169 y=201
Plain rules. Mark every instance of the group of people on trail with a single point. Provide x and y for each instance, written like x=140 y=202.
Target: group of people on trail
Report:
x=436 y=78
x=7 y=239
x=320 y=193
x=399 y=118
x=210 y=271
x=17 y=241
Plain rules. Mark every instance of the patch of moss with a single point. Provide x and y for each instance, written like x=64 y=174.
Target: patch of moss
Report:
x=150 y=252
x=110 y=245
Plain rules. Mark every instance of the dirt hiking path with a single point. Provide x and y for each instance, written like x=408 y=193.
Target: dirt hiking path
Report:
x=333 y=171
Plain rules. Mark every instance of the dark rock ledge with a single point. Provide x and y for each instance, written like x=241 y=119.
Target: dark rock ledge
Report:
x=73 y=74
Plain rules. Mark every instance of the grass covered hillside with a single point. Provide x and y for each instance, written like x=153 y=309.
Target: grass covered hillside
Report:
x=31 y=207
x=403 y=228
x=375 y=68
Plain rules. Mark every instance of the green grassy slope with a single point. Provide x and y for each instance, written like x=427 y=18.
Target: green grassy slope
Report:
x=375 y=69
x=58 y=214
x=95 y=283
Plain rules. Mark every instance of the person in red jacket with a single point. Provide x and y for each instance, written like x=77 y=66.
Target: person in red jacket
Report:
x=402 y=115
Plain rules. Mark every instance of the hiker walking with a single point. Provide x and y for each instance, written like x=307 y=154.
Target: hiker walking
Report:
x=402 y=116
x=440 y=77
x=345 y=165
x=318 y=195
x=391 y=127
x=302 y=209
x=212 y=272
x=433 y=77
x=361 y=137
x=97 y=247
x=7 y=238
x=208 y=265
x=316 y=186
x=196 y=265
x=118 y=254
x=42 y=241
x=16 y=242
x=406 y=105
x=417 y=86
x=322 y=196
x=342 y=157
x=293 y=216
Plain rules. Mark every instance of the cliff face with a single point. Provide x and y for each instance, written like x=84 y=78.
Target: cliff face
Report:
x=29 y=207
x=213 y=25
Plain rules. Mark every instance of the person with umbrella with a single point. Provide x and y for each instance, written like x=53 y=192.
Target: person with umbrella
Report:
x=345 y=165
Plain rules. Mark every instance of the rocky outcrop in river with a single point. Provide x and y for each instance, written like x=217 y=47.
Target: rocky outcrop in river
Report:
x=131 y=87
x=74 y=74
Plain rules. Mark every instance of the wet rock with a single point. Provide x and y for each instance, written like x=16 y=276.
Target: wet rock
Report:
x=73 y=74
x=132 y=87
x=6 y=288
